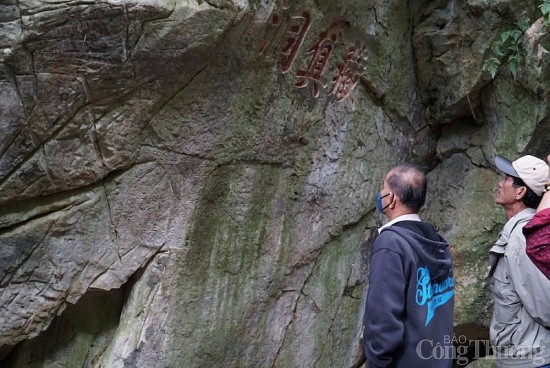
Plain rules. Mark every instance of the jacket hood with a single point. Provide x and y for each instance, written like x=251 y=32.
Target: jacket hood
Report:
x=432 y=249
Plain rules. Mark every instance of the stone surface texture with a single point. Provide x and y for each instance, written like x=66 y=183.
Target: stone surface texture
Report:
x=192 y=183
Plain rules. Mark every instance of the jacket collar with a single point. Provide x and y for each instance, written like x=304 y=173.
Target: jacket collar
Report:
x=521 y=217
x=409 y=217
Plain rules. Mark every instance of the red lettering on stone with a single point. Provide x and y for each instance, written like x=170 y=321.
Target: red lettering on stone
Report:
x=350 y=70
x=319 y=56
x=297 y=33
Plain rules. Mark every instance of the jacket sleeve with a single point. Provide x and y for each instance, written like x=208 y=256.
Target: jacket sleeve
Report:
x=385 y=306
x=528 y=281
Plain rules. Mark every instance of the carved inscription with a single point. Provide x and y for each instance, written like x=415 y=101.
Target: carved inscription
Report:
x=319 y=55
x=349 y=69
x=316 y=60
x=349 y=72
x=296 y=34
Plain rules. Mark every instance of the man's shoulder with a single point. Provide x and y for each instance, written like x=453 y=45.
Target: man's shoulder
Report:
x=519 y=220
x=516 y=240
x=391 y=238
x=390 y=235
x=513 y=229
x=394 y=231
x=416 y=231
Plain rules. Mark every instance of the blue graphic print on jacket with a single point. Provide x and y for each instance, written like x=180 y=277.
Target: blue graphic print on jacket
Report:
x=411 y=266
x=434 y=295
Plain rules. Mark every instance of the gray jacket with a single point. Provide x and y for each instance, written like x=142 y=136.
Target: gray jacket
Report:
x=520 y=328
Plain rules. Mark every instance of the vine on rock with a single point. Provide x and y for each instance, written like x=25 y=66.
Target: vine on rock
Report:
x=507 y=48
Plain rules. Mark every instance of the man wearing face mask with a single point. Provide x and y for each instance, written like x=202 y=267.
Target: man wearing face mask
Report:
x=409 y=308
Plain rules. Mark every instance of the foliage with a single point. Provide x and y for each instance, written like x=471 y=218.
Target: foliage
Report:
x=507 y=48
x=545 y=9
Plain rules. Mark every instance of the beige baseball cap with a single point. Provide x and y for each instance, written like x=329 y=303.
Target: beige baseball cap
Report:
x=532 y=170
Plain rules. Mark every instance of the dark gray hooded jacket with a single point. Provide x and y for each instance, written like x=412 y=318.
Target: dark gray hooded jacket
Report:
x=409 y=309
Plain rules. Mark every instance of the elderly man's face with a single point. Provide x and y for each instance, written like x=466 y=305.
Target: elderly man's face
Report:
x=506 y=193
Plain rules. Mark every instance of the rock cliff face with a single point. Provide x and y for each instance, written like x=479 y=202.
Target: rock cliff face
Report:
x=192 y=183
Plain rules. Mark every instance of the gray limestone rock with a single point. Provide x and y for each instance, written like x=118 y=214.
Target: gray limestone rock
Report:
x=192 y=183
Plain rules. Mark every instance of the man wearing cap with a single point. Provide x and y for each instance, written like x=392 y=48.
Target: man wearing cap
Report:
x=520 y=327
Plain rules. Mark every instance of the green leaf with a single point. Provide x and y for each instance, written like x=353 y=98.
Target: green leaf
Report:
x=514 y=59
x=545 y=8
x=516 y=37
x=513 y=69
x=491 y=66
x=505 y=36
x=507 y=46
x=497 y=49
x=523 y=25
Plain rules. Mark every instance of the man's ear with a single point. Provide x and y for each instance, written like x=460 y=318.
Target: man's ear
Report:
x=521 y=192
x=393 y=200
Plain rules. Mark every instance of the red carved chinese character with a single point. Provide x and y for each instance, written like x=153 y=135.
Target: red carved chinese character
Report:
x=349 y=72
x=297 y=34
x=320 y=54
